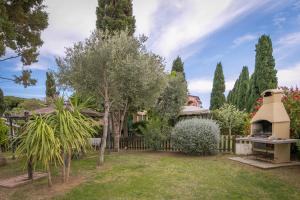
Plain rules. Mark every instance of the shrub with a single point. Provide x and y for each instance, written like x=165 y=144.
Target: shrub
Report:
x=196 y=136
x=155 y=132
x=3 y=135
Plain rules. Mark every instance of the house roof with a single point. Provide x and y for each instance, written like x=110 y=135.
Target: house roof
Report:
x=193 y=110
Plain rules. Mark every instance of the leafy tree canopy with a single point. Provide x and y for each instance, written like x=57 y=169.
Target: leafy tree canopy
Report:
x=217 y=97
x=178 y=66
x=20 y=26
x=264 y=76
x=115 y=15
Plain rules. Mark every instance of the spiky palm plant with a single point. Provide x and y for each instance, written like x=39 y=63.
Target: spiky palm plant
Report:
x=39 y=144
x=72 y=129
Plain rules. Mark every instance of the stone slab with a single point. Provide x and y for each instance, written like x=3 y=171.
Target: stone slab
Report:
x=262 y=164
x=20 y=180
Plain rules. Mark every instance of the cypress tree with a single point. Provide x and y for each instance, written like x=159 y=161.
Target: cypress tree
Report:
x=243 y=89
x=264 y=76
x=217 y=97
x=178 y=66
x=50 y=85
x=115 y=15
x=2 y=104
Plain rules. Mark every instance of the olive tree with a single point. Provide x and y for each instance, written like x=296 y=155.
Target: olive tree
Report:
x=115 y=68
x=229 y=117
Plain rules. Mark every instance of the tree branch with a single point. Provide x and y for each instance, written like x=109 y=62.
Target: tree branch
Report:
x=4 y=78
x=12 y=57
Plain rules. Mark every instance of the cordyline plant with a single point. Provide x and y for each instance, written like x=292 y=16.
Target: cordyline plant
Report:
x=51 y=139
x=291 y=101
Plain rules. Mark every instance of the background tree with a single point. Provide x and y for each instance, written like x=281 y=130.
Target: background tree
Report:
x=238 y=95
x=229 y=117
x=172 y=98
x=115 y=68
x=2 y=104
x=217 y=97
x=20 y=26
x=264 y=76
x=50 y=85
x=115 y=15
x=242 y=96
x=178 y=66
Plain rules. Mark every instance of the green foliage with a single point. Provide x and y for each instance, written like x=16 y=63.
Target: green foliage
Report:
x=178 y=66
x=47 y=139
x=2 y=103
x=172 y=98
x=39 y=143
x=115 y=15
x=156 y=131
x=136 y=128
x=3 y=133
x=21 y=25
x=12 y=102
x=291 y=103
x=238 y=95
x=25 y=79
x=231 y=119
x=217 y=97
x=264 y=76
x=50 y=85
x=196 y=136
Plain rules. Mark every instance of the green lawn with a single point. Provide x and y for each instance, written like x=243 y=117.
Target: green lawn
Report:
x=168 y=176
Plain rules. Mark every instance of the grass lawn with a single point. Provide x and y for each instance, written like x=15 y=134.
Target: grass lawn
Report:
x=164 y=176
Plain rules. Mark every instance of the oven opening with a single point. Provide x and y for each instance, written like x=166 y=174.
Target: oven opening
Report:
x=262 y=128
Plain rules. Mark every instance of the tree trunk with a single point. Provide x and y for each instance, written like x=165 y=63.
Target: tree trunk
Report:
x=125 y=126
x=68 y=167
x=229 y=131
x=116 y=124
x=63 y=169
x=30 y=169
x=49 y=176
x=105 y=129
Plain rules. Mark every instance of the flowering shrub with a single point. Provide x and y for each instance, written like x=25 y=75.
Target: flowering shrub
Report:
x=291 y=101
x=196 y=136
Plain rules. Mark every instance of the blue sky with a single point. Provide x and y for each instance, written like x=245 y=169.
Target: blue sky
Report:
x=201 y=32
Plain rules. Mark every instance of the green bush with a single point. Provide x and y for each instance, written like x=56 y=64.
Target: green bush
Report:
x=3 y=134
x=156 y=131
x=196 y=136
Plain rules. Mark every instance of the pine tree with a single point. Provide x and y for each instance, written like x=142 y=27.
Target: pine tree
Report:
x=243 y=89
x=2 y=105
x=178 y=66
x=50 y=85
x=115 y=15
x=217 y=97
x=264 y=76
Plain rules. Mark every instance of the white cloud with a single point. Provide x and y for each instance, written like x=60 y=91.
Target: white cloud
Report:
x=288 y=40
x=204 y=85
x=279 y=20
x=178 y=24
x=287 y=45
x=243 y=39
x=289 y=76
x=144 y=15
x=34 y=66
x=69 y=21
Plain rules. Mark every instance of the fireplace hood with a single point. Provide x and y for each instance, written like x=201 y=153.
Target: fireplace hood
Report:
x=272 y=109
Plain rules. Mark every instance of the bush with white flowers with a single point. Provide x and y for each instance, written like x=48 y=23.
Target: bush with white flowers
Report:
x=196 y=136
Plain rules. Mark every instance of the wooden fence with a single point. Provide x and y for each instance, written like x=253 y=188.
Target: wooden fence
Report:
x=226 y=145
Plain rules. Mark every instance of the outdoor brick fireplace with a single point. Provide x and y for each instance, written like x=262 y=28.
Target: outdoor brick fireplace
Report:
x=270 y=129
